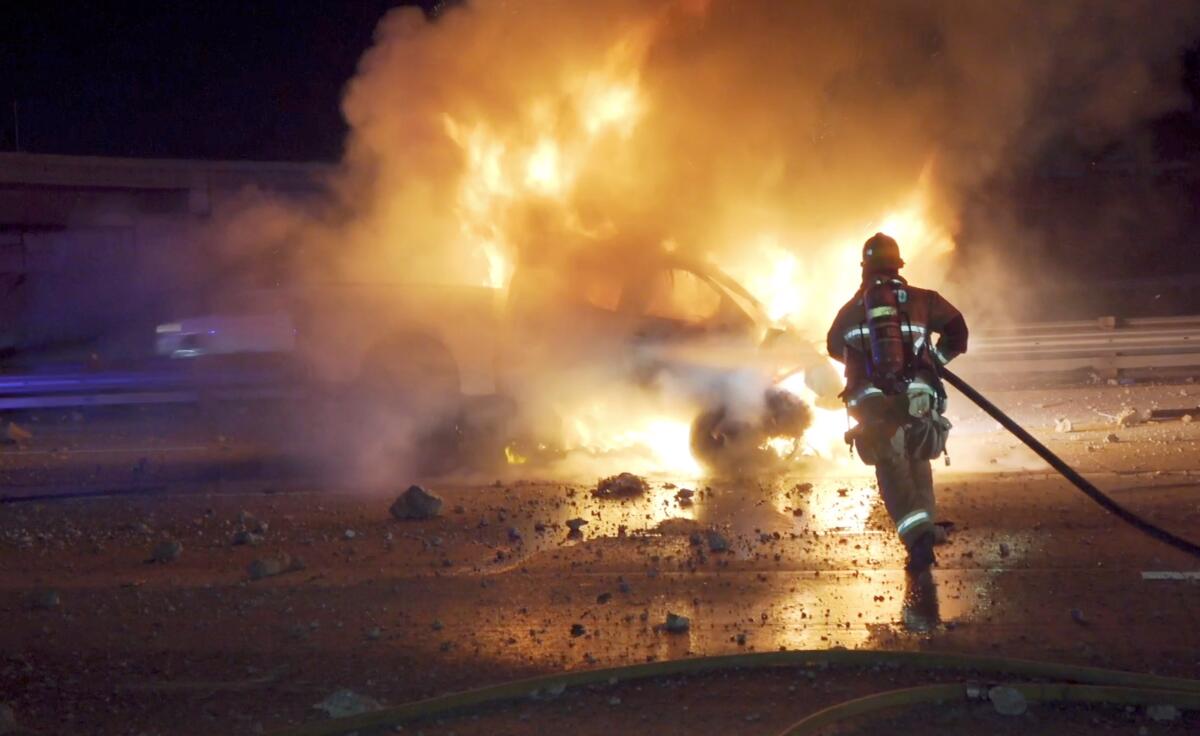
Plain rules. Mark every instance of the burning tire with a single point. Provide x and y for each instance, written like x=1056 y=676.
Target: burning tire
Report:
x=728 y=445
x=786 y=415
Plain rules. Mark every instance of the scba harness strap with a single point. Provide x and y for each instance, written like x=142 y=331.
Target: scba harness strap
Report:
x=892 y=363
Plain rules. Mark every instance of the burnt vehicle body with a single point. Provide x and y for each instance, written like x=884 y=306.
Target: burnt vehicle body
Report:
x=484 y=367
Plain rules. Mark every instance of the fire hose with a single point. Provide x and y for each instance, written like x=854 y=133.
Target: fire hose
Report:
x=1067 y=471
x=1066 y=684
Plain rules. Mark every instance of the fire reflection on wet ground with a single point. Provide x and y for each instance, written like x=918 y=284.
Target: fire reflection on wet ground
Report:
x=768 y=564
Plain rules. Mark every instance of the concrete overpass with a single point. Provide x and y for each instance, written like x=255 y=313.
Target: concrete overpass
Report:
x=44 y=189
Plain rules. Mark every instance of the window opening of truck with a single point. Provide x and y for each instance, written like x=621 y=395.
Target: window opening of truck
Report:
x=682 y=296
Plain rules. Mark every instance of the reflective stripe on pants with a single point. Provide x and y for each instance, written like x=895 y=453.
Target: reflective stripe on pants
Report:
x=911 y=521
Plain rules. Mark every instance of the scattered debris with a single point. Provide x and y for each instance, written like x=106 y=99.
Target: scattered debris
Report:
x=716 y=542
x=676 y=624
x=1007 y=701
x=676 y=525
x=1112 y=439
x=266 y=567
x=417 y=503
x=248 y=538
x=1162 y=712
x=165 y=551
x=551 y=691
x=623 y=485
x=251 y=523
x=346 y=703
x=45 y=600
x=1127 y=417
x=576 y=524
x=1063 y=425
x=684 y=497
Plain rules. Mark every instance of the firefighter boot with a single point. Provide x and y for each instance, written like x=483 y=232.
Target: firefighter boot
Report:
x=920 y=553
x=920 y=612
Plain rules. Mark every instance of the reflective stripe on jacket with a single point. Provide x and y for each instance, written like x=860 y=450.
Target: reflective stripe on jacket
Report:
x=923 y=313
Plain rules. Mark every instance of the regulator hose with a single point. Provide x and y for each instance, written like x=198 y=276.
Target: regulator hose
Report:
x=1067 y=471
x=1181 y=692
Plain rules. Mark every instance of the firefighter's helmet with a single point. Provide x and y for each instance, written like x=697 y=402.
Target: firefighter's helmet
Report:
x=881 y=251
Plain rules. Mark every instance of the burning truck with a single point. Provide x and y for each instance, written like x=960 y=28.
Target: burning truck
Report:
x=515 y=375
x=526 y=243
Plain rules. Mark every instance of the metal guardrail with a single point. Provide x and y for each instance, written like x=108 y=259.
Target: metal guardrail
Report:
x=1107 y=346
x=180 y=385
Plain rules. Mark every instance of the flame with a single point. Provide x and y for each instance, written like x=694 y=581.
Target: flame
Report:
x=801 y=279
x=541 y=164
x=542 y=172
x=805 y=286
x=646 y=441
x=611 y=105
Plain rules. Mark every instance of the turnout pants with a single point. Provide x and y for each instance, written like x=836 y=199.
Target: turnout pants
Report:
x=905 y=482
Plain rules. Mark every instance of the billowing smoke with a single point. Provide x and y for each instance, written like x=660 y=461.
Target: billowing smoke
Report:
x=768 y=137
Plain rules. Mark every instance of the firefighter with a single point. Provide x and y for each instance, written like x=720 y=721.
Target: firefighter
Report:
x=884 y=337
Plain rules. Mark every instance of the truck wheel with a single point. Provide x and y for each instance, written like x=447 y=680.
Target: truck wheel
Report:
x=724 y=446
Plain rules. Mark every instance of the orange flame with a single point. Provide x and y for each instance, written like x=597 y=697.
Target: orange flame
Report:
x=540 y=161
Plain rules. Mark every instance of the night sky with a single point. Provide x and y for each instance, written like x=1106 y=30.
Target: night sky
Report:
x=260 y=79
x=229 y=80
x=263 y=80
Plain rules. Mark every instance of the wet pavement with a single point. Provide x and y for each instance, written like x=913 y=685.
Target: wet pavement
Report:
x=98 y=640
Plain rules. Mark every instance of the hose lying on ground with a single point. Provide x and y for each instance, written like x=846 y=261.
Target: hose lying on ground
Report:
x=1054 y=692
x=1067 y=471
x=1116 y=686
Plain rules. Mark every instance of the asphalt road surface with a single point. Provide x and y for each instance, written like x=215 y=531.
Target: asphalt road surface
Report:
x=99 y=640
